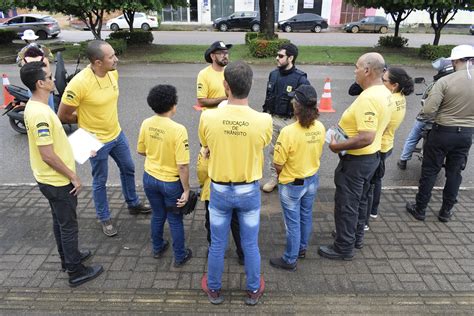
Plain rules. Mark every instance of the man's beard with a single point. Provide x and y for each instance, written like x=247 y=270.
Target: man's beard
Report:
x=222 y=63
x=282 y=66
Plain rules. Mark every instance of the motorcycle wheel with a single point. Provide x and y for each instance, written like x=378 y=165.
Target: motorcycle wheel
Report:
x=17 y=125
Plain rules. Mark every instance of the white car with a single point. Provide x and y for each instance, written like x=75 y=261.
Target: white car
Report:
x=140 y=21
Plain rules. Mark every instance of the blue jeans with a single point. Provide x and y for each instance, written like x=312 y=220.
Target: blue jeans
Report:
x=412 y=139
x=162 y=194
x=297 y=203
x=245 y=200
x=119 y=150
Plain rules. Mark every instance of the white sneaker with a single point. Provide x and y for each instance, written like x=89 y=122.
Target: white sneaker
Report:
x=366 y=227
x=374 y=215
x=270 y=185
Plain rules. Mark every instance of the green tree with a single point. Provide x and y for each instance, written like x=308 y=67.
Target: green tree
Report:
x=130 y=7
x=267 y=18
x=442 y=12
x=91 y=12
x=399 y=10
x=6 y=5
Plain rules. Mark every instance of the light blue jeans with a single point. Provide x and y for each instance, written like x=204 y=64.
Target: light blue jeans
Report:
x=412 y=139
x=245 y=200
x=119 y=150
x=297 y=203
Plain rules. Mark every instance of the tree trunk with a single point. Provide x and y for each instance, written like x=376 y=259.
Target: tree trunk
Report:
x=267 y=19
x=437 y=36
x=129 y=18
x=397 y=28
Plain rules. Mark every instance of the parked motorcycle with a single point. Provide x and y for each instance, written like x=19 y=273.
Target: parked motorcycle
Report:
x=15 y=109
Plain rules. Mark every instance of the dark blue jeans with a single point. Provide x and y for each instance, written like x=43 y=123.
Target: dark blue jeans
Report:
x=162 y=194
x=119 y=150
x=63 y=208
x=375 y=190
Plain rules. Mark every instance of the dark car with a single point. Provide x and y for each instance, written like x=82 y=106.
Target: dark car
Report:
x=238 y=20
x=303 y=21
x=42 y=25
x=471 y=29
x=368 y=24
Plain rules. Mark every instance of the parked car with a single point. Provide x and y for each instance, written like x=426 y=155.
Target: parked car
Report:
x=303 y=21
x=44 y=26
x=368 y=24
x=471 y=29
x=140 y=21
x=238 y=20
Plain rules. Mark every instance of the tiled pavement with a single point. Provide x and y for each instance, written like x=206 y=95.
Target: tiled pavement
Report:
x=406 y=266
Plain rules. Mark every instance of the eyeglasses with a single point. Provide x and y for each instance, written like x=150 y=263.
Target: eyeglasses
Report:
x=50 y=77
x=280 y=56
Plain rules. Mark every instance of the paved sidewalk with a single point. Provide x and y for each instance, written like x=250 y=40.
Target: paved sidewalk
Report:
x=406 y=266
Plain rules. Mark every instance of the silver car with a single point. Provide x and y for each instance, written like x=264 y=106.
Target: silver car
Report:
x=44 y=26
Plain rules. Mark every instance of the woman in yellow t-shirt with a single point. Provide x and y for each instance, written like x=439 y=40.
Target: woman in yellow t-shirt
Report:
x=400 y=84
x=164 y=143
x=296 y=158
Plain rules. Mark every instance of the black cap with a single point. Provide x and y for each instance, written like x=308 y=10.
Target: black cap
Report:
x=303 y=94
x=219 y=45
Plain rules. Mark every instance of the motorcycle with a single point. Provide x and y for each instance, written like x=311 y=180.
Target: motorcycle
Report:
x=15 y=109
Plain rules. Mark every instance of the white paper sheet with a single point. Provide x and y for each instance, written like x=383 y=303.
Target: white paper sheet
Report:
x=83 y=143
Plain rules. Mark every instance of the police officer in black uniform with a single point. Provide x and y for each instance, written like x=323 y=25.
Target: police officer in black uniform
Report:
x=283 y=80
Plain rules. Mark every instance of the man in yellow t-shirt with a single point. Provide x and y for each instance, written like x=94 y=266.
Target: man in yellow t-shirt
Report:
x=210 y=93
x=91 y=99
x=54 y=169
x=235 y=136
x=363 y=122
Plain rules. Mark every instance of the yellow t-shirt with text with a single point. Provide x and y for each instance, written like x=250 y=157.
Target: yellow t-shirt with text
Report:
x=210 y=83
x=299 y=151
x=165 y=144
x=44 y=128
x=398 y=109
x=96 y=100
x=236 y=136
x=369 y=112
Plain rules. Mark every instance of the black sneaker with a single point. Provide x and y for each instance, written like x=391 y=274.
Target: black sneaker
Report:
x=139 y=209
x=159 y=254
x=86 y=254
x=214 y=296
x=282 y=264
x=85 y=274
x=189 y=255
x=302 y=254
x=445 y=215
x=254 y=296
x=413 y=210
x=402 y=164
x=330 y=253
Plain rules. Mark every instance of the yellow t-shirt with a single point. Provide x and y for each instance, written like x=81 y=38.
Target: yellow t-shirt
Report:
x=369 y=112
x=96 y=101
x=210 y=83
x=236 y=136
x=165 y=144
x=299 y=151
x=398 y=109
x=44 y=128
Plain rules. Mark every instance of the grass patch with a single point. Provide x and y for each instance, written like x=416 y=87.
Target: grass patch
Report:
x=315 y=55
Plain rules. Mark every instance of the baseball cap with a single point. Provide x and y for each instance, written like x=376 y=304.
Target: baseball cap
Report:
x=219 y=45
x=461 y=51
x=304 y=94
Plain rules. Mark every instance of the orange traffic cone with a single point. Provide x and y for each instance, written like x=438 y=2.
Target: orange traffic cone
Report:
x=7 y=97
x=325 y=104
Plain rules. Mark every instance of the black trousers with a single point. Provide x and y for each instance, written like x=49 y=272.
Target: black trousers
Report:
x=443 y=143
x=376 y=187
x=65 y=227
x=352 y=179
x=234 y=227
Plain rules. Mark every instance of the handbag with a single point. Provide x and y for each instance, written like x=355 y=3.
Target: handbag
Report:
x=188 y=208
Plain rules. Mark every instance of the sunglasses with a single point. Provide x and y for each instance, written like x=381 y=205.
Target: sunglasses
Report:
x=281 y=55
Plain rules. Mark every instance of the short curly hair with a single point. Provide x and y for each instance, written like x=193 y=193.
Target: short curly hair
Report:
x=162 y=98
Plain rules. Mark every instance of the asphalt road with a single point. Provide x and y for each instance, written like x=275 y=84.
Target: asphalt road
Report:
x=136 y=80
x=324 y=38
